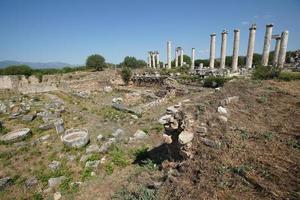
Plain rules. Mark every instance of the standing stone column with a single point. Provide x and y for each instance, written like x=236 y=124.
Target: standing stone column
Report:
x=181 y=57
x=283 y=48
x=149 y=59
x=157 y=59
x=267 y=45
x=176 y=57
x=276 y=51
x=169 y=54
x=212 y=50
x=193 y=59
x=251 y=42
x=235 y=53
x=153 y=60
x=223 y=49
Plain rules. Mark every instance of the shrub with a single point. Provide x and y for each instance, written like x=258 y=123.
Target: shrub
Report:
x=126 y=74
x=132 y=62
x=289 y=76
x=214 y=81
x=17 y=70
x=119 y=157
x=265 y=72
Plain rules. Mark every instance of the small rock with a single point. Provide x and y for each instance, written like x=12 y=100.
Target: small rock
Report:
x=118 y=133
x=100 y=137
x=222 y=110
x=202 y=129
x=106 y=145
x=140 y=135
x=5 y=182
x=32 y=181
x=185 y=137
x=46 y=126
x=222 y=118
x=93 y=173
x=164 y=119
x=117 y=100
x=218 y=89
x=54 y=165
x=28 y=118
x=172 y=110
x=229 y=100
x=59 y=126
x=71 y=157
x=92 y=164
x=57 y=196
x=43 y=138
x=210 y=143
x=107 y=89
x=55 y=182
x=92 y=149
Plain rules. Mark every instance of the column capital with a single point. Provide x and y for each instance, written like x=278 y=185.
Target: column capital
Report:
x=269 y=25
x=236 y=30
x=253 y=27
x=213 y=34
x=224 y=32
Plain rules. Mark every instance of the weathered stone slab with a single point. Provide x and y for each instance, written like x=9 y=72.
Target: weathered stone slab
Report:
x=16 y=136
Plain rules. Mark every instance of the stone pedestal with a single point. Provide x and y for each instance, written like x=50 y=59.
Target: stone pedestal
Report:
x=283 y=48
x=251 y=43
x=223 y=49
x=235 y=53
x=267 y=45
x=212 y=50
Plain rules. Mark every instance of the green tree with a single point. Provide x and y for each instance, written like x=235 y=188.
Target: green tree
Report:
x=17 y=70
x=132 y=62
x=186 y=59
x=126 y=74
x=95 y=61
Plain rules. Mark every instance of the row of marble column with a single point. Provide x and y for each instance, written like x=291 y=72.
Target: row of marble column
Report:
x=279 y=52
x=153 y=59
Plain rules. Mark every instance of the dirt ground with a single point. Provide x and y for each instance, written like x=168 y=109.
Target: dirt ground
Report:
x=258 y=156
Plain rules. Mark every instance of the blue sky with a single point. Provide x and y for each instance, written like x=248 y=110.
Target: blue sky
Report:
x=70 y=30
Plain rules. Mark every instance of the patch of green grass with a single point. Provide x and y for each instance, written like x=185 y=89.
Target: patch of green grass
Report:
x=140 y=153
x=244 y=134
x=261 y=99
x=157 y=127
x=93 y=157
x=150 y=165
x=86 y=174
x=112 y=114
x=109 y=168
x=142 y=193
x=66 y=187
x=145 y=130
x=294 y=143
x=119 y=157
x=37 y=196
x=44 y=175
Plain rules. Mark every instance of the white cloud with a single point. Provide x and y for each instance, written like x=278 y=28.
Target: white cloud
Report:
x=245 y=22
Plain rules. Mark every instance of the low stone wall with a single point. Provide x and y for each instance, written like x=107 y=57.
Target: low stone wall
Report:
x=78 y=81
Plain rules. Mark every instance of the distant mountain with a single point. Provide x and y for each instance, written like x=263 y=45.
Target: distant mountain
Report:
x=6 y=63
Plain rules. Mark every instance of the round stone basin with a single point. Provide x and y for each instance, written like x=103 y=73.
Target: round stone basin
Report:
x=75 y=138
x=15 y=136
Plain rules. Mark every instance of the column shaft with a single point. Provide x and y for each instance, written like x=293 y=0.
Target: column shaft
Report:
x=181 y=57
x=267 y=45
x=176 y=57
x=193 y=59
x=212 y=50
x=223 y=49
x=235 y=53
x=276 y=51
x=169 y=54
x=251 y=42
x=283 y=48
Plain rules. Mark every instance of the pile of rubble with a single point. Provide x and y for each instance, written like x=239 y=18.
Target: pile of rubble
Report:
x=178 y=134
